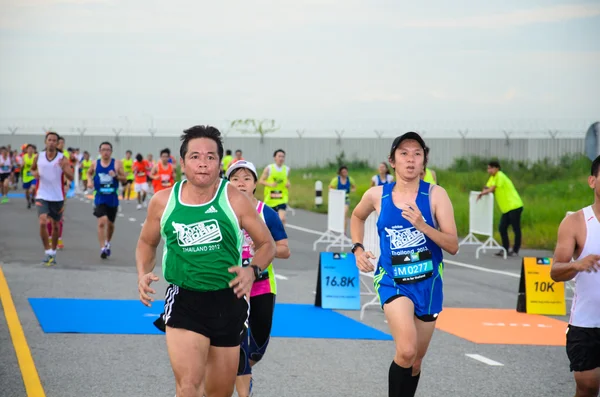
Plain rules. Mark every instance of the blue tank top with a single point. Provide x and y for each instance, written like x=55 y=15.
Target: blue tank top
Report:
x=381 y=182
x=344 y=186
x=106 y=186
x=407 y=255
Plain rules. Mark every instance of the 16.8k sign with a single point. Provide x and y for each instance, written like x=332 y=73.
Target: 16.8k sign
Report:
x=338 y=284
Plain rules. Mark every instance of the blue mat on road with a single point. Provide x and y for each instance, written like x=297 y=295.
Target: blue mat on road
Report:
x=91 y=316
x=15 y=195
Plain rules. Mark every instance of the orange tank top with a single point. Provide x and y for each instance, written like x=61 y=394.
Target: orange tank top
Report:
x=165 y=177
x=140 y=170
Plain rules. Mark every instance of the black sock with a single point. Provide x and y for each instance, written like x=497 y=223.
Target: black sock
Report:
x=398 y=380
x=411 y=385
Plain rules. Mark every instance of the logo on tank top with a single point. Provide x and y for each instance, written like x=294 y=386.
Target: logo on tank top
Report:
x=405 y=238
x=199 y=233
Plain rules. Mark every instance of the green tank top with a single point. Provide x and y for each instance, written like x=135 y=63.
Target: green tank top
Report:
x=85 y=167
x=201 y=241
x=27 y=163
x=128 y=168
x=274 y=196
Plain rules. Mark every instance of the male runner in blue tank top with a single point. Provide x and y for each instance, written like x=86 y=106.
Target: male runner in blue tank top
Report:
x=416 y=222
x=104 y=176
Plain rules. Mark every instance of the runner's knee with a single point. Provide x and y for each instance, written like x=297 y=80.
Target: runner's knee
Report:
x=102 y=222
x=587 y=385
x=43 y=220
x=406 y=355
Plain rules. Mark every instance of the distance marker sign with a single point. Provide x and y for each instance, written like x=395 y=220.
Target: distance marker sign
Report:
x=538 y=293
x=338 y=284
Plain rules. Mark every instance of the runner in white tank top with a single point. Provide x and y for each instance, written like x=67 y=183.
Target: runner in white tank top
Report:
x=579 y=238
x=50 y=166
x=5 y=172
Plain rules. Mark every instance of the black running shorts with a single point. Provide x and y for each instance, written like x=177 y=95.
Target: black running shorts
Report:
x=104 y=210
x=219 y=315
x=583 y=348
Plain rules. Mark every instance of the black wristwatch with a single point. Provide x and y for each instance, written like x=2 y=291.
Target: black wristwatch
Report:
x=257 y=271
x=357 y=245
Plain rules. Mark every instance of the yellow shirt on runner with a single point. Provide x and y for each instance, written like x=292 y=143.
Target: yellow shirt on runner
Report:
x=506 y=195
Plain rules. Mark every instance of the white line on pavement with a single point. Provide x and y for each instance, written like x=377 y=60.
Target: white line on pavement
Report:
x=279 y=276
x=131 y=219
x=121 y=214
x=303 y=229
x=483 y=269
x=484 y=360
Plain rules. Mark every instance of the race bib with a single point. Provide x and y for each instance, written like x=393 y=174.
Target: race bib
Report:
x=106 y=184
x=5 y=168
x=165 y=180
x=412 y=268
x=276 y=194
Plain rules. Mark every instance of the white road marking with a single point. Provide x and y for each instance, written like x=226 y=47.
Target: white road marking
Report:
x=87 y=201
x=131 y=219
x=484 y=360
x=151 y=315
x=280 y=277
x=121 y=214
x=483 y=269
x=303 y=229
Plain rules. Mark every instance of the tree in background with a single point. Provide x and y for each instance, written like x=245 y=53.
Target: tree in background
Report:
x=252 y=126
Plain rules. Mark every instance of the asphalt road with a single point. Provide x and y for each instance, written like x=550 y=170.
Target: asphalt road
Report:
x=128 y=365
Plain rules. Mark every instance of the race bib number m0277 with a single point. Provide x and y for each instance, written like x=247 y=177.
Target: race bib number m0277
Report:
x=412 y=268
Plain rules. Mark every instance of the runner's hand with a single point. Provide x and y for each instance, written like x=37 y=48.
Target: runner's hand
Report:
x=144 y=288
x=112 y=173
x=411 y=212
x=590 y=263
x=242 y=284
x=362 y=260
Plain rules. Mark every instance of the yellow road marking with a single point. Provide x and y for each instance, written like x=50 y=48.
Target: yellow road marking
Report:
x=31 y=379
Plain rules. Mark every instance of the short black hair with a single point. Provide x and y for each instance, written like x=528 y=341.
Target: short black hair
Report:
x=86 y=152
x=596 y=166
x=278 y=151
x=410 y=135
x=105 y=143
x=52 y=133
x=239 y=150
x=167 y=151
x=201 y=131
x=128 y=151
x=228 y=152
x=139 y=157
x=494 y=164
x=60 y=137
x=343 y=167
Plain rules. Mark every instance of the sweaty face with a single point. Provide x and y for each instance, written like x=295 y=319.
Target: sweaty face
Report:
x=409 y=159
x=243 y=180
x=201 y=164
x=105 y=152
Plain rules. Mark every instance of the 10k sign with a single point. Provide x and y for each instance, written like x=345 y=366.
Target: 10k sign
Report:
x=338 y=284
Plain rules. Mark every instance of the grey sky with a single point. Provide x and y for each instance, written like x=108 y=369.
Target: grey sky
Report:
x=319 y=60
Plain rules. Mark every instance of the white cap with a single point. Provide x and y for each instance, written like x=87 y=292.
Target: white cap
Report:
x=241 y=164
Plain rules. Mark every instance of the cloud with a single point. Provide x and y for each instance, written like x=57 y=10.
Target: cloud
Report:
x=556 y=13
x=378 y=97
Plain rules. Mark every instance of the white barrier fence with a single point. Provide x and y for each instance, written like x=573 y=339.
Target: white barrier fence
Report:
x=481 y=222
x=371 y=243
x=335 y=236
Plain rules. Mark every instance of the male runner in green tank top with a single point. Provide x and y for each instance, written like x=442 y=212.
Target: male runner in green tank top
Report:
x=201 y=221
x=276 y=179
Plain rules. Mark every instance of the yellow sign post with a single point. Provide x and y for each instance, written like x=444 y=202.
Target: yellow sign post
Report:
x=538 y=293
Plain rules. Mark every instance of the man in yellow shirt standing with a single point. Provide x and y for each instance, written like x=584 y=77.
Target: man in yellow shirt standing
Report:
x=510 y=205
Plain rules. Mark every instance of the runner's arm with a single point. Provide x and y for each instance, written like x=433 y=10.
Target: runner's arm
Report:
x=153 y=172
x=145 y=252
x=250 y=221
x=34 y=164
x=120 y=171
x=282 y=248
x=264 y=176
x=361 y=212
x=67 y=168
x=447 y=236
x=562 y=267
x=90 y=174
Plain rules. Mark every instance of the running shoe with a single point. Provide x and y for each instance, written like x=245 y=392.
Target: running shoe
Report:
x=49 y=260
x=60 y=243
x=107 y=249
x=250 y=392
x=103 y=253
x=4 y=200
